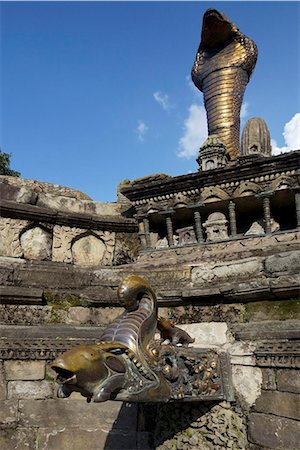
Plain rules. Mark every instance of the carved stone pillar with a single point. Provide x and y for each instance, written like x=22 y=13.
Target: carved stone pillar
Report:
x=198 y=222
x=267 y=213
x=142 y=234
x=297 y=204
x=169 y=224
x=147 y=232
x=232 y=219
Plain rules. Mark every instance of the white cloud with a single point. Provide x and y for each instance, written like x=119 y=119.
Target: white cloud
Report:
x=291 y=134
x=141 y=130
x=195 y=132
x=244 y=110
x=163 y=100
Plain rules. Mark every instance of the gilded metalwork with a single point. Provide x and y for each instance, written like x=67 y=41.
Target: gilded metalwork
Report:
x=224 y=63
x=129 y=364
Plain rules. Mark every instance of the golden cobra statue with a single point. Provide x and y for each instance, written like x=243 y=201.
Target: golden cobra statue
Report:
x=224 y=63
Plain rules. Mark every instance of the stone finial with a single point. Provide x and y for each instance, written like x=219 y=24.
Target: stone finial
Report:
x=212 y=154
x=256 y=138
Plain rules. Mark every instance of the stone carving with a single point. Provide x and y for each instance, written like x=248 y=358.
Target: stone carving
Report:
x=88 y=251
x=278 y=354
x=222 y=68
x=283 y=182
x=213 y=154
x=257 y=228
x=245 y=189
x=36 y=243
x=186 y=236
x=216 y=227
x=10 y=230
x=256 y=138
x=83 y=247
x=162 y=243
x=128 y=364
x=213 y=194
x=37 y=349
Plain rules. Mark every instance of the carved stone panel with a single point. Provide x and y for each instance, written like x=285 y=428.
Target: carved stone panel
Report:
x=83 y=247
x=36 y=243
x=10 y=230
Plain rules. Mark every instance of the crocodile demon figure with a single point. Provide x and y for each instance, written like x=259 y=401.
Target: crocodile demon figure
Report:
x=129 y=364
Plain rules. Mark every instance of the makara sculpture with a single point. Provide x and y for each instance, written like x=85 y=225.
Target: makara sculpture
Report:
x=129 y=364
x=224 y=63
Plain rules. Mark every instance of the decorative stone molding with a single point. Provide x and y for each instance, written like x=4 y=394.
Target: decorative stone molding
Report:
x=283 y=182
x=246 y=189
x=213 y=194
x=37 y=349
x=278 y=354
x=75 y=245
x=10 y=230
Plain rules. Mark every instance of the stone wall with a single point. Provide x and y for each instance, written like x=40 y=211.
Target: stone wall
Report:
x=31 y=417
x=44 y=222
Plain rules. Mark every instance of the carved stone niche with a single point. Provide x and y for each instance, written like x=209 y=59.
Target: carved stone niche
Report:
x=216 y=227
x=36 y=243
x=213 y=154
x=186 y=236
x=88 y=251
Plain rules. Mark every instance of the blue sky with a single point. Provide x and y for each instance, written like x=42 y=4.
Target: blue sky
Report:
x=93 y=93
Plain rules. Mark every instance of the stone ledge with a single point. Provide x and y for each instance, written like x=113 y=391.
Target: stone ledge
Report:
x=16 y=210
x=267 y=330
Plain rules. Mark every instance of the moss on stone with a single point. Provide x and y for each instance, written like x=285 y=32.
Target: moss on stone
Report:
x=64 y=300
x=272 y=310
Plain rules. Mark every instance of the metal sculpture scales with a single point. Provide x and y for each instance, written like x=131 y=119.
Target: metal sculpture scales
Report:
x=224 y=63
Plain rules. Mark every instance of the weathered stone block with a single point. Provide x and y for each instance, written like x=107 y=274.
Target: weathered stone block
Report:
x=242 y=353
x=91 y=439
x=247 y=381
x=24 y=370
x=288 y=380
x=30 y=389
x=61 y=413
x=8 y=413
x=17 y=439
x=207 y=334
x=228 y=270
x=2 y=383
x=268 y=379
x=274 y=432
x=282 y=404
x=283 y=262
